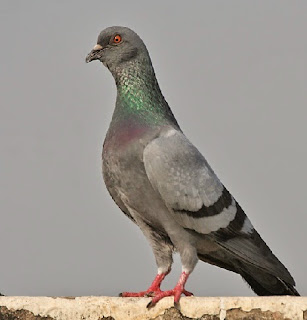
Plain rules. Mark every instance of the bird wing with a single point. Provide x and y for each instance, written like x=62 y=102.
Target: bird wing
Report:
x=199 y=202
x=187 y=184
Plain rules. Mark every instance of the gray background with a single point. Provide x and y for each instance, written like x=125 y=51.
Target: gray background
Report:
x=234 y=73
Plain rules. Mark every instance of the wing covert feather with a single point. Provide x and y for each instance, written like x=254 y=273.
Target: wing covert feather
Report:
x=187 y=184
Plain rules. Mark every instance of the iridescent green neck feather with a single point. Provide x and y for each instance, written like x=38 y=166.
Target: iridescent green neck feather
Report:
x=139 y=98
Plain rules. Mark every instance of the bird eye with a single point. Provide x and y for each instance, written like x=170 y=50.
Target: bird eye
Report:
x=117 y=39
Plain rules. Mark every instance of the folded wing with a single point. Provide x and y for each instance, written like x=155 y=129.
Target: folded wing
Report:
x=199 y=201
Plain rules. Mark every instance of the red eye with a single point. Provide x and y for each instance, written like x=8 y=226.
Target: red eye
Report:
x=117 y=39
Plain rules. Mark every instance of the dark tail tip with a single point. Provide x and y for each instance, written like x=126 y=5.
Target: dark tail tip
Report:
x=264 y=284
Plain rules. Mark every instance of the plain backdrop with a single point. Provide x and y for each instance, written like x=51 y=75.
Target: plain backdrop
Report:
x=234 y=73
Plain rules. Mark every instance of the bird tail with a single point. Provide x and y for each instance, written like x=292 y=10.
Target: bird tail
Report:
x=266 y=284
x=262 y=282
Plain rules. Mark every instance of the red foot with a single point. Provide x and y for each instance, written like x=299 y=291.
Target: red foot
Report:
x=152 y=291
x=176 y=292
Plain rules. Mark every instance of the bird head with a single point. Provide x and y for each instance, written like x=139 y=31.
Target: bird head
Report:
x=117 y=46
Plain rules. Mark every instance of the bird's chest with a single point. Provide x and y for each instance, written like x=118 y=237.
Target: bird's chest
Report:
x=122 y=162
x=122 y=167
x=125 y=176
x=123 y=151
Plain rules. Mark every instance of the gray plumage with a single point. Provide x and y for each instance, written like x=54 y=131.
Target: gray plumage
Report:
x=163 y=183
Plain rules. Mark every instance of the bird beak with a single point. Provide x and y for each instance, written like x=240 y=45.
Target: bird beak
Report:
x=95 y=54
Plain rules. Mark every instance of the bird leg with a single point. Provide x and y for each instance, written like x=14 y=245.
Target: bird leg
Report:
x=152 y=291
x=176 y=292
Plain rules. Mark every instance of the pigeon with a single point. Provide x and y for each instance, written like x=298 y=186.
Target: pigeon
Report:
x=160 y=180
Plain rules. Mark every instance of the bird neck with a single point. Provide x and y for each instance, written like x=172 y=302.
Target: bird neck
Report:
x=139 y=98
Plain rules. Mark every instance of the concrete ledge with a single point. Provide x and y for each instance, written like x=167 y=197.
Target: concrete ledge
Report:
x=109 y=308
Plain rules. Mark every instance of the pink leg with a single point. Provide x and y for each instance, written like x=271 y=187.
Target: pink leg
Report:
x=152 y=291
x=176 y=292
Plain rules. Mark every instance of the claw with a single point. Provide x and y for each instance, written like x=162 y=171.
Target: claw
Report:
x=149 y=294
x=152 y=291
x=176 y=292
x=155 y=292
x=150 y=305
x=177 y=305
x=187 y=293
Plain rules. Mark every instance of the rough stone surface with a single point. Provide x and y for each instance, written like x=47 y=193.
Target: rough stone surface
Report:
x=9 y=314
x=191 y=308
x=254 y=314
x=174 y=314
